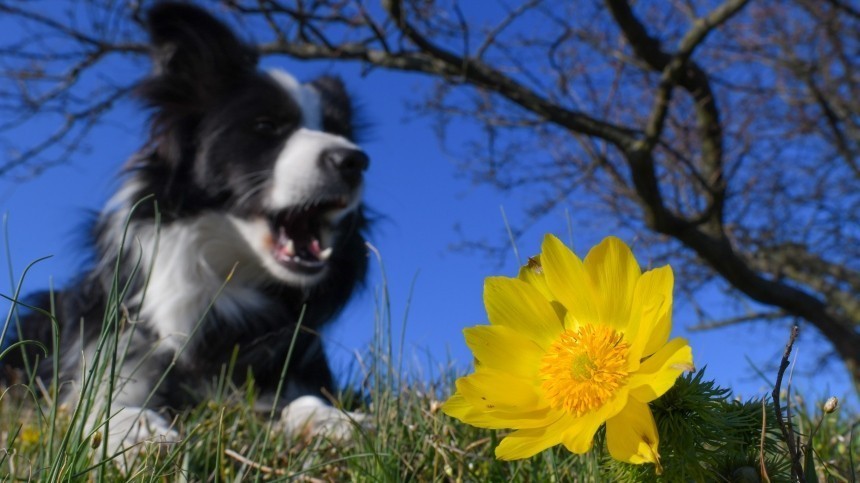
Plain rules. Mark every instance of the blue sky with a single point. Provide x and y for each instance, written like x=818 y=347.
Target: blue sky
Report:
x=416 y=187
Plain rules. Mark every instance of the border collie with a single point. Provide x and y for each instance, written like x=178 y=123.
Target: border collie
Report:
x=240 y=219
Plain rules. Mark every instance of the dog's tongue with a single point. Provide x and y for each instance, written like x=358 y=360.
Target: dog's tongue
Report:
x=300 y=244
x=314 y=248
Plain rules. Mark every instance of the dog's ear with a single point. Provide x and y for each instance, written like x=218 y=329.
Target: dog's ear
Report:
x=338 y=111
x=194 y=52
x=197 y=61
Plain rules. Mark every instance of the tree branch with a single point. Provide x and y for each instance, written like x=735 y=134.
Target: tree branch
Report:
x=471 y=71
x=678 y=69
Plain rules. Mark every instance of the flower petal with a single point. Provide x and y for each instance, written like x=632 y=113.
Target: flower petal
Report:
x=614 y=273
x=650 y=314
x=488 y=390
x=502 y=348
x=580 y=437
x=532 y=273
x=577 y=433
x=632 y=435
x=661 y=289
x=524 y=443
x=568 y=281
x=459 y=407
x=660 y=331
x=658 y=373
x=516 y=304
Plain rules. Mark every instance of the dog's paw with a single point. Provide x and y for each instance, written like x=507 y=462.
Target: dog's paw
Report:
x=311 y=416
x=136 y=430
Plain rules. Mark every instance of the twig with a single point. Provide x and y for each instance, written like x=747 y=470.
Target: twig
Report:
x=268 y=469
x=785 y=425
x=253 y=464
x=741 y=319
x=475 y=444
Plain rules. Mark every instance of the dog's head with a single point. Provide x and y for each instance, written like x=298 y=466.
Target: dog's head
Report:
x=274 y=154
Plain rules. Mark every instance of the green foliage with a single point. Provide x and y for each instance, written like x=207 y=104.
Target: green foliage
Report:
x=835 y=444
x=705 y=435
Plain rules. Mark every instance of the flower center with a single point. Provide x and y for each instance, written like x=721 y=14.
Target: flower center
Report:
x=584 y=368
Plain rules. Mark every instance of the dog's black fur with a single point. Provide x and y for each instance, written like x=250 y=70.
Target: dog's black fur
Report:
x=219 y=129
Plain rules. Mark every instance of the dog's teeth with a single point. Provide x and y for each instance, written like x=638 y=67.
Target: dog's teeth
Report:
x=325 y=254
x=290 y=247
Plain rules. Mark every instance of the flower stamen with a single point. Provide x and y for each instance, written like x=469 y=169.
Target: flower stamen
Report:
x=584 y=368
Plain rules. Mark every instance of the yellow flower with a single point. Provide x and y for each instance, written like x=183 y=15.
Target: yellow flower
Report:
x=572 y=345
x=30 y=435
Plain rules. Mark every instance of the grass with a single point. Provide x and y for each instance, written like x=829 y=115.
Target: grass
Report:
x=705 y=434
x=224 y=440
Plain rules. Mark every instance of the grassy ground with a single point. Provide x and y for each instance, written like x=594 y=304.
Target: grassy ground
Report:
x=225 y=441
x=706 y=435
x=412 y=441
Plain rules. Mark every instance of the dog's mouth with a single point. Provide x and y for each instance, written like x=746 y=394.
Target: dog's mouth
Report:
x=302 y=235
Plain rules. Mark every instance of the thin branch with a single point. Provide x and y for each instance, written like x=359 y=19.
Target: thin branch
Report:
x=493 y=34
x=741 y=319
x=785 y=425
x=89 y=116
x=473 y=71
x=253 y=464
x=51 y=24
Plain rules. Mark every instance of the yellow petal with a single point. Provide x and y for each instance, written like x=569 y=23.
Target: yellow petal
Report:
x=650 y=314
x=658 y=373
x=614 y=273
x=580 y=436
x=661 y=292
x=532 y=273
x=459 y=407
x=489 y=390
x=577 y=434
x=504 y=349
x=568 y=281
x=524 y=443
x=516 y=304
x=659 y=332
x=632 y=435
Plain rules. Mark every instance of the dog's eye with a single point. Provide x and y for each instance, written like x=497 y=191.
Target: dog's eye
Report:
x=265 y=126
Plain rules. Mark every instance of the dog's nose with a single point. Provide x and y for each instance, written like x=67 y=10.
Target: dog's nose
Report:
x=348 y=162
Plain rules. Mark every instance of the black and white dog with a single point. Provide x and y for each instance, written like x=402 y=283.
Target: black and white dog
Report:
x=241 y=215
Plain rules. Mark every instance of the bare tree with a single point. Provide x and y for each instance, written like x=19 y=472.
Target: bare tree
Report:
x=726 y=132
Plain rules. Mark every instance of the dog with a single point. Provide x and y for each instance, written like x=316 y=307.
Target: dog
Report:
x=236 y=234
